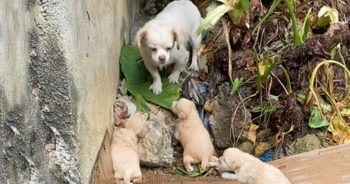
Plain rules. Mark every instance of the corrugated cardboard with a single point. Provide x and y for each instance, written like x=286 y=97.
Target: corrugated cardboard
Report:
x=324 y=166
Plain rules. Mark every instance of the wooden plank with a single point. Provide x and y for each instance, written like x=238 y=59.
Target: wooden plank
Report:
x=324 y=166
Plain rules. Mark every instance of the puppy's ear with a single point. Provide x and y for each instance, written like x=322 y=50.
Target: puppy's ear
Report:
x=122 y=123
x=235 y=166
x=178 y=37
x=142 y=133
x=140 y=37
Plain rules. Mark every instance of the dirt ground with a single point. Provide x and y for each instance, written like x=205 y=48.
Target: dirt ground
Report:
x=278 y=111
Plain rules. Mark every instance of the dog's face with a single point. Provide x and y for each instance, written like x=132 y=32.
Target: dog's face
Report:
x=229 y=161
x=158 y=42
x=183 y=108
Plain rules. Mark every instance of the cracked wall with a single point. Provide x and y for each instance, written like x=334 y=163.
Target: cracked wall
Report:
x=58 y=81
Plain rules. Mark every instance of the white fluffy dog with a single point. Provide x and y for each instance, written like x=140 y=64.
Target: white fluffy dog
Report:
x=162 y=41
x=248 y=169
x=125 y=159
x=192 y=134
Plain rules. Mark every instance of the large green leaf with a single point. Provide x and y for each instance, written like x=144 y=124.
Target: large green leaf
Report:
x=138 y=81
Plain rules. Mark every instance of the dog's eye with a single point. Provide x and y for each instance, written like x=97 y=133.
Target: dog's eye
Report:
x=168 y=49
x=154 y=49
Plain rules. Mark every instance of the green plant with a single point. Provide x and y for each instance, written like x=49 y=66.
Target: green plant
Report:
x=326 y=16
x=263 y=68
x=299 y=34
x=236 y=9
x=265 y=111
x=236 y=84
x=339 y=129
x=316 y=120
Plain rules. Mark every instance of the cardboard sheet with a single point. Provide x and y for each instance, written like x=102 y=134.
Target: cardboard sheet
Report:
x=324 y=166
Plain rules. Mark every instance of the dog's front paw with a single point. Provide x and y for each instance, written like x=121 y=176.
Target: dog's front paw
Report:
x=156 y=87
x=194 y=67
x=189 y=168
x=174 y=77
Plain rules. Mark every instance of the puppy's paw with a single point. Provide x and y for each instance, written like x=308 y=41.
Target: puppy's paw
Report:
x=194 y=67
x=189 y=168
x=228 y=176
x=156 y=87
x=174 y=77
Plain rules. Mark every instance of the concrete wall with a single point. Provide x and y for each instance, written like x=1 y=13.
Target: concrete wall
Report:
x=58 y=81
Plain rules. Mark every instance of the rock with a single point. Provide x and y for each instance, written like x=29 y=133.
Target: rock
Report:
x=246 y=146
x=155 y=149
x=307 y=143
x=220 y=120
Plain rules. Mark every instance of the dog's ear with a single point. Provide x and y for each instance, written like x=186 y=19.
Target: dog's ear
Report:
x=178 y=37
x=140 y=37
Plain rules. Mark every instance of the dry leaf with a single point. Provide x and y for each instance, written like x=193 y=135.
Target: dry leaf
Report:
x=340 y=130
x=209 y=106
x=261 y=148
x=252 y=132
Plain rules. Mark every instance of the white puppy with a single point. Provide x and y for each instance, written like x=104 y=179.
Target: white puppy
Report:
x=125 y=159
x=248 y=169
x=162 y=41
x=192 y=134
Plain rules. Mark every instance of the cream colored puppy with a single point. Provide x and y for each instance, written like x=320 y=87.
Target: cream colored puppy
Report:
x=163 y=40
x=248 y=169
x=125 y=159
x=193 y=136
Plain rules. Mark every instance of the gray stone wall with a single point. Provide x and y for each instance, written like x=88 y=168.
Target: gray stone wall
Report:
x=58 y=80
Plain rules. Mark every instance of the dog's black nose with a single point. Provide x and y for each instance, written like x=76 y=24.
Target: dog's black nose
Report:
x=162 y=59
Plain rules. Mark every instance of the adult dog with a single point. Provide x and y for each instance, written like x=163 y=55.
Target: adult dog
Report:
x=162 y=41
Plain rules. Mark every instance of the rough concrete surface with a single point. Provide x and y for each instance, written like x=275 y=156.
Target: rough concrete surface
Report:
x=58 y=81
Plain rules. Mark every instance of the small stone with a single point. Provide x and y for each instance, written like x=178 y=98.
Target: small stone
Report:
x=307 y=143
x=246 y=146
